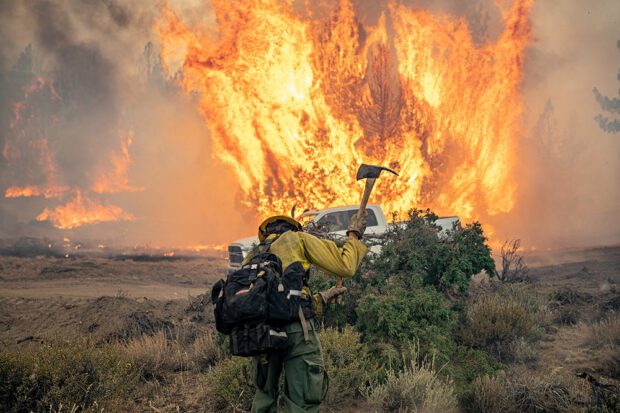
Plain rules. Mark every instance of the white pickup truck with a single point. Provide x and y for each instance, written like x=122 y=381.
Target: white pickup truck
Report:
x=335 y=221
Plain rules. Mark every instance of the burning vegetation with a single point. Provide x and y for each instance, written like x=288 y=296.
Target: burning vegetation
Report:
x=28 y=151
x=295 y=103
x=190 y=122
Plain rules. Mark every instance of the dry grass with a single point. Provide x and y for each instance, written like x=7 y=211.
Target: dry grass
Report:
x=156 y=354
x=523 y=351
x=531 y=393
x=164 y=352
x=604 y=337
x=526 y=391
x=418 y=387
x=489 y=395
x=605 y=333
x=206 y=351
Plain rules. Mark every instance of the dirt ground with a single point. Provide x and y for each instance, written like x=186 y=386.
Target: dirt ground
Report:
x=126 y=297
x=105 y=297
x=588 y=282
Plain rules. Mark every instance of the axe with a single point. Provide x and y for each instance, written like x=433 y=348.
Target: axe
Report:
x=370 y=173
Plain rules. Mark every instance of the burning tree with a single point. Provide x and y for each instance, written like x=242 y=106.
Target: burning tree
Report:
x=46 y=122
x=294 y=103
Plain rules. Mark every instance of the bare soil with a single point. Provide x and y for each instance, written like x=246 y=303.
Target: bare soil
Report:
x=105 y=297
x=585 y=286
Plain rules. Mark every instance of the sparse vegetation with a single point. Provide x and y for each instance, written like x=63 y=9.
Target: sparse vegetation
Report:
x=347 y=362
x=63 y=375
x=497 y=323
x=230 y=385
x=417 y=387
x=513 y=265
x=411 y=336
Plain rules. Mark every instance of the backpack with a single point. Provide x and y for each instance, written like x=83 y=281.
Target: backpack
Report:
x=255 y=302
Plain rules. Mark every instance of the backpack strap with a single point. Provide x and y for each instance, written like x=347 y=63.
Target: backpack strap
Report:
x=264 y=246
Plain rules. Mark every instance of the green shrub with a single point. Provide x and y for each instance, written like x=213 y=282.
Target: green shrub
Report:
x=400 y=314
x=413 y=292
x=413 y=249
x=465 y=365
x=347 y=362
x=65 y=375
x=230 y=386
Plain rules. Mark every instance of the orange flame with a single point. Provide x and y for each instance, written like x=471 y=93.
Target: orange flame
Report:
x=208 y=247
x=294 y=105
x=82 y=210
x=116 y=178
x=33 y=190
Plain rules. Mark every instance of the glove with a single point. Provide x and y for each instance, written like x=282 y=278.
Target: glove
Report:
x=322 y=298
x=357 y=225
x=333 y=292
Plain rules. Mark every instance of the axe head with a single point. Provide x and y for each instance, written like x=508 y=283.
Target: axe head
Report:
x=371 y=171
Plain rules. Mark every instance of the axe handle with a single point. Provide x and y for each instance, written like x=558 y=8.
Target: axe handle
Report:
x=370 y=183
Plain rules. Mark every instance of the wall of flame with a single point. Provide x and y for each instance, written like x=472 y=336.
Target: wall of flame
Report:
x=294 y=104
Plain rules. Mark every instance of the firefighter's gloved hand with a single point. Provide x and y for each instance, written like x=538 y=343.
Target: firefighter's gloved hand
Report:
x=324 y=297
x=332 y=293
x=357 y=225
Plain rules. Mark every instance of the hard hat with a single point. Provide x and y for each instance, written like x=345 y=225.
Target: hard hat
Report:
x=288 y=223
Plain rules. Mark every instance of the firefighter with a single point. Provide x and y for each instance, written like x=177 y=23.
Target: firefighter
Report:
x=304 y=370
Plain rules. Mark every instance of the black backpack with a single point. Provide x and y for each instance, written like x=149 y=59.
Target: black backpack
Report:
x=255 y=302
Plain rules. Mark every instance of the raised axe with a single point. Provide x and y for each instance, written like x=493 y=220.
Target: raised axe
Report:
x=370 y=173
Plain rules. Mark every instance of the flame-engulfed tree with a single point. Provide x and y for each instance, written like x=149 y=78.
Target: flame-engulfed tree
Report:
x=380 y=112
x=610 y=105
x=294 y=104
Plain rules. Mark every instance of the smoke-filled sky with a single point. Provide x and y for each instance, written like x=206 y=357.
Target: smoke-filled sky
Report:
x=102 y=58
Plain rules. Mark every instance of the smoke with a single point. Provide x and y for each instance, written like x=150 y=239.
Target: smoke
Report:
x=102 y=80
x=102 y=60
x=570 y=194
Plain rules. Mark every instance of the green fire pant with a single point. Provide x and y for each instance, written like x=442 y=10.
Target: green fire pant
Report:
x=305 y=379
